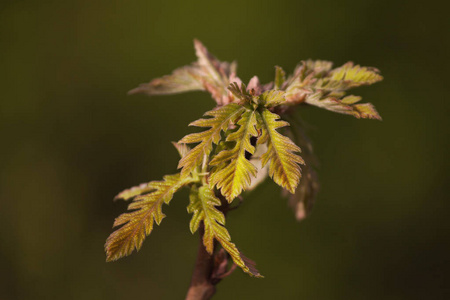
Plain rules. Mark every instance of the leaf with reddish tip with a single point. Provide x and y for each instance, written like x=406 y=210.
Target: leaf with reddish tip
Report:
x=315 y=83
x=184 y=79
x=207 y=74
x=203 y=205
x=344 y=106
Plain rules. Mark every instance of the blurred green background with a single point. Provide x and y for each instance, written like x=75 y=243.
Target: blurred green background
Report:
x=72 y=139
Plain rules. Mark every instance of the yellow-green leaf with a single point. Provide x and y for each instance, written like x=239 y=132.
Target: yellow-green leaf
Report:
x=284 y=164
x=203 y=204
x=221 y=119
x=137 y=224
x=271 y=98
x=280 y=77
x=234 y=172
x=352 y=76
x=367 y=111
x=134 y=191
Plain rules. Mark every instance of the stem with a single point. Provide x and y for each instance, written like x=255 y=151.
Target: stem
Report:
x=202 y=287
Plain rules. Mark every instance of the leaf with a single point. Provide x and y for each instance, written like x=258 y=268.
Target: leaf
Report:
x=318 y=67
x=271 y=98
x=207 y=74
x=147 y=187
x=184 y=79
x=203 y=204
x=367 y=111
x=344 y=106
x=316 y=84
x=351 y=99
x=280 y=77
x=330 y=103
x=302 y=201
x=138 y=223
x=302 y=82
x=219 y=71
x=233 y=172
x=306 y=74
x=350 y=76
x=221 y=119
x=284 y=164
x=134 y=191
x=262 y=172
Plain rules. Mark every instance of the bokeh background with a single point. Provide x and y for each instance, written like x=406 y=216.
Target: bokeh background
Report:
x=72 y=139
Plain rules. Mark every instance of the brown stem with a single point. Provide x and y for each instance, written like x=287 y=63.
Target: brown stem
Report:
x=201 y=287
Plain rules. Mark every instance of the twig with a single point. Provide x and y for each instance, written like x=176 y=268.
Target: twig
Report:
x=201 y=287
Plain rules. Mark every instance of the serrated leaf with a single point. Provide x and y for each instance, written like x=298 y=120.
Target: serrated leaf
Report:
x=367 y=111
x=316 y=84
x=134 y=191
x=344 y=106
x=284 y=164
x=147 y=186
x=221 y=119
x=301 y=83
x=280 y=77
x=350 y=99
x=234 y=172
x=305 y=75
x=271 y=98
x=184 y=79
x=351 y=76
x=262 y=172
x=318 y=67
x=207 y=74
x=137 y=224
x=219 y=71
x=203 y=204
x=303 y=199
x=329 y=103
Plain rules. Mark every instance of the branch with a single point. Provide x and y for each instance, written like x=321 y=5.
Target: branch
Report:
x=202 y=288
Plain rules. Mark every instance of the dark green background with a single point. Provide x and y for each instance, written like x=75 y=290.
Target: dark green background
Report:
x=71 y=139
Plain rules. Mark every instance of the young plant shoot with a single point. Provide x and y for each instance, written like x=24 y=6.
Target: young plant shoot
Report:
x=251 y=133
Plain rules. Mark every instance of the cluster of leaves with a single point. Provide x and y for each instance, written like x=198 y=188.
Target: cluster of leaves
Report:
x=241 y=144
